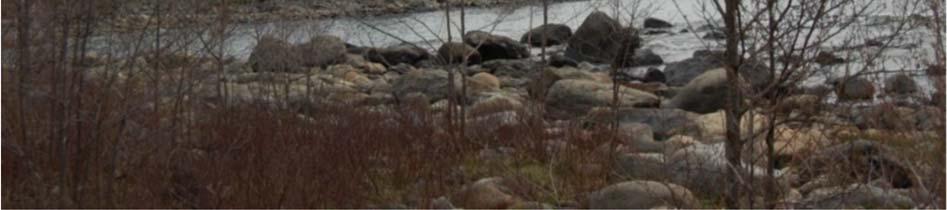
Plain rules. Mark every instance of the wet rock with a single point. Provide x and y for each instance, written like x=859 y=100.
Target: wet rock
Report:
x=398 y=54
x=715 y=35
x=511 y=68
x=454 y=53
x=827 y=58
x=681 y=72
x=642 y=195
x=561 y=61
x=646 y=57
x=493 y=47
x=600 y=39
x=654 y=75
x=656 y=23
x=547 y=35
x=900 y=84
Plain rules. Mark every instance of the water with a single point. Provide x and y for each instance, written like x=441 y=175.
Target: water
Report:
x=429 y=29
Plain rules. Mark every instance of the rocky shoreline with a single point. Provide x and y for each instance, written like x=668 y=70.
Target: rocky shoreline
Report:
x=671 y=126
x=271 y=11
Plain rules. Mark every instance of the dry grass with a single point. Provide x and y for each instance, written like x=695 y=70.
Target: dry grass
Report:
x=116 y=150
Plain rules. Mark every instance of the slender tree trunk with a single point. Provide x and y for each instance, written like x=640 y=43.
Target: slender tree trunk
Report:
x=617 y=63
x=452 y=96
x=733 y=143
x=462 y=119
x=770 y=199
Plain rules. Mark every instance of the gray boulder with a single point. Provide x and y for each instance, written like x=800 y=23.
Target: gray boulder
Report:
x=855 y=89
x=322 y=50
x=646 y=57
x=551 y=75
x=705 y=94
x=664 y=123
x=601 y=39
x=273 y=55
x=641 y=194
x=827 y=58
x=900 y=84
x=398 y=54
x=681 y=72
x=561 y=61
x=641 y=165
x=454 y=53
x=656 y=23
x=511 y=68
x=715 y=35
x=654 y=75
x=431 y=83
x=576 y=97
x=547 y=35
x=493 y=46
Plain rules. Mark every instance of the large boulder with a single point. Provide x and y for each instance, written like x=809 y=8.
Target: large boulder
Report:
x=579 y=96
x=715 y=35
x=398 y=54
x=493 y=46
x=646 y=57
x=551 y=75
x=454 y=53
x=510 y=68
x=900 y=84
x=681 y=72
x=654 y=75
x=601 y=39
x=322 y=50
x=664 y=123
x=644 y=165
x=547 y=35
x=273 y=55
x=827 y=58
x=656 y=23
x=562 y=61
x=705 y=94
x=487 y=193
x=431 y=83
x=640 y=194
x=855 y=88
x=482 y=82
